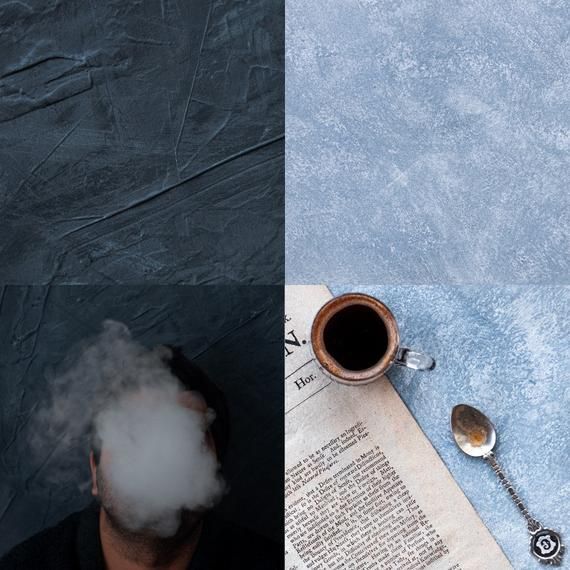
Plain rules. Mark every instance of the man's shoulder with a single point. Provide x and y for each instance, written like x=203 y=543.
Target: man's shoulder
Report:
x=53 y=547
x=260 y=552
x=245 y=548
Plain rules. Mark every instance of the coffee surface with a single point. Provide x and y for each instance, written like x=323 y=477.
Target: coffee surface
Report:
x=356 y=337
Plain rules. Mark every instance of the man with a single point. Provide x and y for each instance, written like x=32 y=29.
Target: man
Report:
x=97 y=539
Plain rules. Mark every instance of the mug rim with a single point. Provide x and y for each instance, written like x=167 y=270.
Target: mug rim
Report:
x=329 y=363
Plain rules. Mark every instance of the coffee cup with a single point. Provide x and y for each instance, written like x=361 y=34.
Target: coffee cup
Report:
x=355 y=340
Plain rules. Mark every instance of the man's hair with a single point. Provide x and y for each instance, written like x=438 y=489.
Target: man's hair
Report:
x=192 y=378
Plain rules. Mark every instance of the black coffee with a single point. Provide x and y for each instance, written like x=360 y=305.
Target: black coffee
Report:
x=356 y=337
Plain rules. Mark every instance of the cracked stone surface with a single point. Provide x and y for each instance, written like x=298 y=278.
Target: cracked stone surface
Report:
x=141 y=142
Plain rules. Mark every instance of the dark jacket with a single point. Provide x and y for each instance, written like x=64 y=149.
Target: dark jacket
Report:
x=75 y=544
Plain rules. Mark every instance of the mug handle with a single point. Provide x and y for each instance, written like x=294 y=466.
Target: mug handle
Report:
x=415 y=360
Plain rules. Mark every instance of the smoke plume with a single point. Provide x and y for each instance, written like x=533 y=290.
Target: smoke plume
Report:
x=154 y=457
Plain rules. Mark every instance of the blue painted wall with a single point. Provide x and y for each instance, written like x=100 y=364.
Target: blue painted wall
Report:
x=427 y=142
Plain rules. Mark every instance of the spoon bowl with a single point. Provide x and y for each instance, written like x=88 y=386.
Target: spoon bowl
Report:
x=473 y=431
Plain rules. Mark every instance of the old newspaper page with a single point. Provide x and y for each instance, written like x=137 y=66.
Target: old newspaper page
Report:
x=364 y=488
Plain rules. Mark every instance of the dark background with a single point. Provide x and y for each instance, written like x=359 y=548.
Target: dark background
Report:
x=141 y=141
x=233 y=332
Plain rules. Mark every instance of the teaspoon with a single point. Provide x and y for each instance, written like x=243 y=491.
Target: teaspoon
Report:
x=475 y=435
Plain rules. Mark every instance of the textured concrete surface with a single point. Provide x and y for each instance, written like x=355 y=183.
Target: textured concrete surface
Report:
x=503 y=350
x=235 y=335
x=427 y=142
x=141 y=141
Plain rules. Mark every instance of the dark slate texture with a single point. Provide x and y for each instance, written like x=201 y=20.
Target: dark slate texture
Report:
x=141 y=141
x=233 y=332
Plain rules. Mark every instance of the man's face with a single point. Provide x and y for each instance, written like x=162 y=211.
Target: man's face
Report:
x=118 y=512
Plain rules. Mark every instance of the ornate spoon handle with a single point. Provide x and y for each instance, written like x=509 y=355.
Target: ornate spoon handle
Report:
x=545 y=544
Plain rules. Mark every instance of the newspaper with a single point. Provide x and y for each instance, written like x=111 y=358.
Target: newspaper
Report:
x=364 y=488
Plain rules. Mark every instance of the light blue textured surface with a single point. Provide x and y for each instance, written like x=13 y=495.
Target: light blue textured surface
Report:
x=427 y=142
x=504 y=351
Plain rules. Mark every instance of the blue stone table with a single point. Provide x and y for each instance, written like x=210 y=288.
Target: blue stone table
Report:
x=427 y=142
x=504 y=351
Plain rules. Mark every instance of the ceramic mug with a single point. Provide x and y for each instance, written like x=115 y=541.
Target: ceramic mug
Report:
x=355 y=339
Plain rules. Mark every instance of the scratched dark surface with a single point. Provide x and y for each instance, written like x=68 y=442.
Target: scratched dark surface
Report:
x=233 y=332
x=141 y=141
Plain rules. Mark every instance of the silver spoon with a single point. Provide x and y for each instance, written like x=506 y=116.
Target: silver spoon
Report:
x=475 y=435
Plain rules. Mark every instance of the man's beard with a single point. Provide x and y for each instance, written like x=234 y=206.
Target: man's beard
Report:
x=159 y=536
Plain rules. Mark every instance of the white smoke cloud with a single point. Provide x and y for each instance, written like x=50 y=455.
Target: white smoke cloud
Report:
x=158 y=461
x=155 y=459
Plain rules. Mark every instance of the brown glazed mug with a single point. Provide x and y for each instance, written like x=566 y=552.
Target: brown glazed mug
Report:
x=355 y=339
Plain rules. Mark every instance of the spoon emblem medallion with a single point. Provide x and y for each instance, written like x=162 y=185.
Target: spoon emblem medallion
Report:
x=547 y=546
